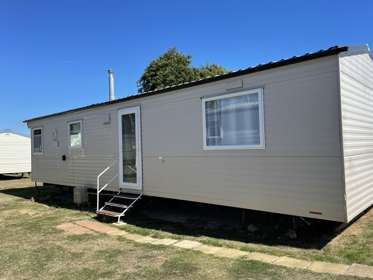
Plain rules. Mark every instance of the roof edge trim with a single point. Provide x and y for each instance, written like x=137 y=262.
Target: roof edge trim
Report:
x=258 y=68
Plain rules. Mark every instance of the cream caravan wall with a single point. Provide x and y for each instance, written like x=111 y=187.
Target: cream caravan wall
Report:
x=356 y=78
x=298 y=173
x=15 y=153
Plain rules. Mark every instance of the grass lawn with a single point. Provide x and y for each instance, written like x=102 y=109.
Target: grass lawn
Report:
x=33 y=248
x=353 y=245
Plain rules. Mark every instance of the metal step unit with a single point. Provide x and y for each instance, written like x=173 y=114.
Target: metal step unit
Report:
x=119 y=203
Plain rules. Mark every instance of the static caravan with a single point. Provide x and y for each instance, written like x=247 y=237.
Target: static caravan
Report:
x=15 y=153
x=293 y=136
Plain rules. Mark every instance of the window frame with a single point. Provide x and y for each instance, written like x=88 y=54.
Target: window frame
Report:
x=69 y=135
x=260 y=146
x=41 y=138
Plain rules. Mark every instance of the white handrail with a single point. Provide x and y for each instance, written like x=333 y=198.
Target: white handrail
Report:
x=107 y=184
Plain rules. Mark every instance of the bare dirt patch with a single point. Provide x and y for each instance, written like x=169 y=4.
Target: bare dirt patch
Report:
x=74 y=229
x=96 y=226
x=30 y=212
x=10 y=182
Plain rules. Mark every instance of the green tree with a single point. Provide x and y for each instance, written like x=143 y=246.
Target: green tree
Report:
x=172 y=68
x=209 y=70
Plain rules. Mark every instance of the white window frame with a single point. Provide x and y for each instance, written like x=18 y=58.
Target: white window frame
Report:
x=81 y=134
x=42 y=140
x=260 y=146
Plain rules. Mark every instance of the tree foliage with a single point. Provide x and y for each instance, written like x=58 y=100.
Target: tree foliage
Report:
x=208 y=71
x=172 y=68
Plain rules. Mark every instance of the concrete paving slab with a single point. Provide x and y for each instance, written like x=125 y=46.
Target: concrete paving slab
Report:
x=164 y=241
x=187 y=244
x=292 y=263
x=326 y=267
x=119 y=233
x=134 y=237
x=360 y=270
x=207 y=249
x=229 y=253
x=145 y=239
x=262 y=257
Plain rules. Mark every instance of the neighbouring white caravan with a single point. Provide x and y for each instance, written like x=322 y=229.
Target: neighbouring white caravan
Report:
x=15 y=153
x=293 y=136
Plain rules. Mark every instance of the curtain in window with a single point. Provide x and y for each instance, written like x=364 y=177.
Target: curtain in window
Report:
x=233 y=121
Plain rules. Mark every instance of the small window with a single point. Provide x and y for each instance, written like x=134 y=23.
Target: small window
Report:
x=75 y=134
x=37 y=141
x=234 y=121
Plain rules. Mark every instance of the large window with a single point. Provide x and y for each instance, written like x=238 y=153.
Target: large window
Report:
x=234 y=121
x=37 y=141
x=75 y=134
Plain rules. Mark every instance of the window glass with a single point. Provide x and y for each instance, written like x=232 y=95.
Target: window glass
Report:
x=233 y=121
x=37 y=146
x=129 y=149
x=75 y=135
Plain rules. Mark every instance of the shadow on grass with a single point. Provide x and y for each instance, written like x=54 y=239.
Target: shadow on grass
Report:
x=54 y=196
x=11 y=177
x=198 y=219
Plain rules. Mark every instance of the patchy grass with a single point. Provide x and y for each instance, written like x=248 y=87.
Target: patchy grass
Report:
x=354 y=245
x=33 y=248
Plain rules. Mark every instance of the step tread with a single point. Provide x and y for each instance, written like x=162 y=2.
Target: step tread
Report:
x=108 y=213
x=116 y=205
x=127 y=196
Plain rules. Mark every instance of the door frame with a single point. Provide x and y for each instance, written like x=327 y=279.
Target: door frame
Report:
x=125 y=111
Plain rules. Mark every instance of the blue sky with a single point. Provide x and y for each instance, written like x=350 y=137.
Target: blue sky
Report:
x=54 y=54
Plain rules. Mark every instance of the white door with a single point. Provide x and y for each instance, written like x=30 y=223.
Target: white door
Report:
x=129 y=131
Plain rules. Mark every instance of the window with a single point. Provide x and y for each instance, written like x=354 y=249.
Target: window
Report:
x=37 y=141
x=75 y=134
x=234 y=121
